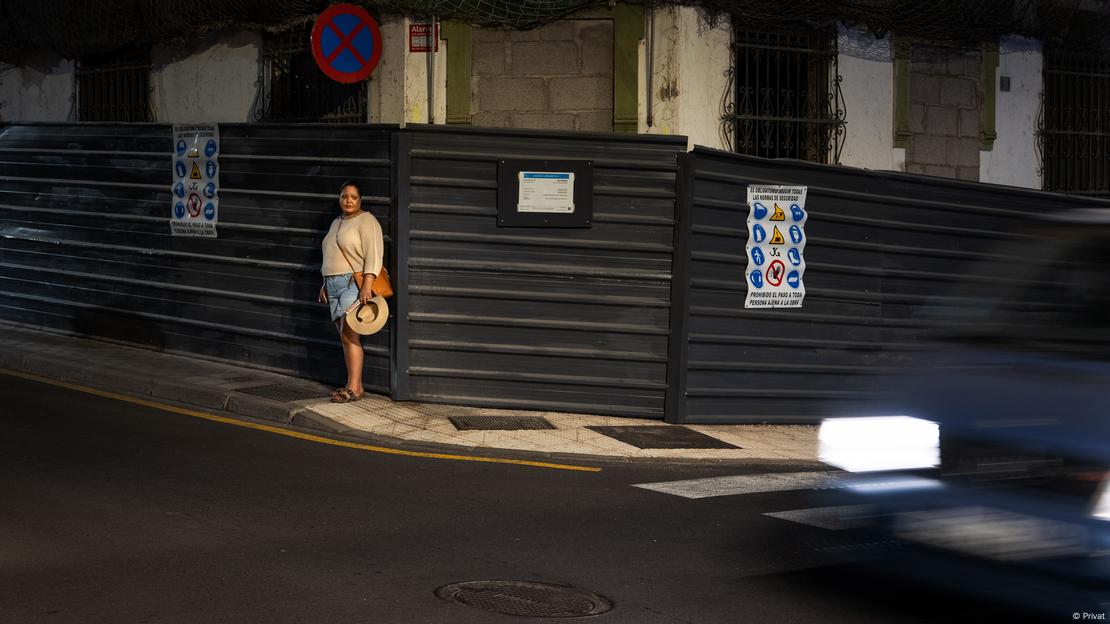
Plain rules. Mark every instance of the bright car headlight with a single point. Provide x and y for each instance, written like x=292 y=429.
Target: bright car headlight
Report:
x=1102 y=501
x=879 y=443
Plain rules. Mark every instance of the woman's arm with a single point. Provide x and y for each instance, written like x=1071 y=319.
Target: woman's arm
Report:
x=372 y=250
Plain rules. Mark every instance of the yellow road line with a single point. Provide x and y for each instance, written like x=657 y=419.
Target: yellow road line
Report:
x=288 y=432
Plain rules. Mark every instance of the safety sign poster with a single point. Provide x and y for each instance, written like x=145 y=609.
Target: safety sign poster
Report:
x=776 y=246
x=196 y=180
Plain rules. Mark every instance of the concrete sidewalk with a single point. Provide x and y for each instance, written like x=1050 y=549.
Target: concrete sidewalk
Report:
x=228 y=389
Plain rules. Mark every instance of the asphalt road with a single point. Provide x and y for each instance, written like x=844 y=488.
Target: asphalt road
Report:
x=114 y=512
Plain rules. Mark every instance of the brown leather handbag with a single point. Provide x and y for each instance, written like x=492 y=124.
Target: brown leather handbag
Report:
x=381 y=285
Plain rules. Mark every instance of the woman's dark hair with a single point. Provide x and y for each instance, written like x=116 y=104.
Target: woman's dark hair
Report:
x=350 y=183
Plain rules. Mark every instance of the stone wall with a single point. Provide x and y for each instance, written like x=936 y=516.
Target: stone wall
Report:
x=944 y=112
x=557 y=77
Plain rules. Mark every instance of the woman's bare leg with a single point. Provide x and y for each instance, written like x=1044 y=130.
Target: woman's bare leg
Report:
x=352 y=356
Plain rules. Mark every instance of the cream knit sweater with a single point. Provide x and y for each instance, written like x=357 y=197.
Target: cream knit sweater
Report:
x=361 y=238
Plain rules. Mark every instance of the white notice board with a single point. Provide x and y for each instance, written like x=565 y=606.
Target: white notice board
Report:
x=546 y=191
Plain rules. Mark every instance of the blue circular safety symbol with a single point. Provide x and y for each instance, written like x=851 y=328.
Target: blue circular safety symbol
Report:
x=797 y=212
x=181 y=147
x=758 y=233
x=179 y=210
x=757 y=279
x=210 y=168
x=179 y=189
x=757 y=256
x=179 y=166
x=795 y=234
x=210 y=190
x=210 y=211
x=793 y=279
x=210 y=148
x=794 y=256
x=759 y=211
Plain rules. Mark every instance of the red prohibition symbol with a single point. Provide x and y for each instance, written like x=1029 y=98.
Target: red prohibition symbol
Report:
x=193 y=204
x=346 y=43
x=775 y=273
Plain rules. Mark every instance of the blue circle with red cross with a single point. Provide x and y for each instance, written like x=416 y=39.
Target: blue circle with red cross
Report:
x=346 y=43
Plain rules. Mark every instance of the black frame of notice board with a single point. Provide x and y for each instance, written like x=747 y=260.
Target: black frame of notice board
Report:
x=508 y=192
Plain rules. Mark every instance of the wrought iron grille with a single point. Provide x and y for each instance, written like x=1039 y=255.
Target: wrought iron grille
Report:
x=292 y=87
x=787 y=99
x=115 y=87
x=1074 y=127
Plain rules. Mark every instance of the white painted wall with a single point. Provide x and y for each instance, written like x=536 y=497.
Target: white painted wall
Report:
x=1013 y=161
x=867 y=69
x=399 y=85
x=213 y=78
x=691 y=58
x=41 y=90
x=389 y=77
x=416 y=84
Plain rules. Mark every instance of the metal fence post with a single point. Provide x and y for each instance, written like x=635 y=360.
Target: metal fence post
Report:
x=677 y=348
x=399 y=218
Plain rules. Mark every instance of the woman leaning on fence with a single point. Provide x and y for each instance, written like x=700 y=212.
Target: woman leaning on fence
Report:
x=352 y=261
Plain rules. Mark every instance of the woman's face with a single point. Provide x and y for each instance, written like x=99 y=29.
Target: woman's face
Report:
x=349 y=201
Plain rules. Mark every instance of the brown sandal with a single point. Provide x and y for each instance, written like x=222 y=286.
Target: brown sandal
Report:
x=345 y=395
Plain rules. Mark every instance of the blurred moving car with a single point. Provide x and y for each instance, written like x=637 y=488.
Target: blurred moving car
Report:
x=990 y=465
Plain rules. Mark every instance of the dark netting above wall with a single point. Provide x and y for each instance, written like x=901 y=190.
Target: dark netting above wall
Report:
x=81 y=29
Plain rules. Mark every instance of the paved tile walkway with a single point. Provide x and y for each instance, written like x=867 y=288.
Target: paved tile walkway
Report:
x=217 y=386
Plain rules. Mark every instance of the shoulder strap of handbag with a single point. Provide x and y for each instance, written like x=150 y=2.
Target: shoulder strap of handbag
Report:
x=355 y=275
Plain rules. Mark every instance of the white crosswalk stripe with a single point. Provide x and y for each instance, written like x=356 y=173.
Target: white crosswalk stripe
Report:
x=831 y=518
x=834 y=518
x=745 y=484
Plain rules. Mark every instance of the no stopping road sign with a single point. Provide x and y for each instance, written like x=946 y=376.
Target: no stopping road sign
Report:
x=346 y=43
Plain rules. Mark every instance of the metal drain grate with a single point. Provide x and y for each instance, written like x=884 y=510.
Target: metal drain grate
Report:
x=525 y=598
x=499 y=423
x=663 y=437
x=288 y=391
x=244 y=379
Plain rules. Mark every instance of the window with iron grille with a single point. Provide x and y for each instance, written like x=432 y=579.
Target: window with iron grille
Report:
x=1074 y=128
x=115 y=87
x=787 y=101
x=293 y=88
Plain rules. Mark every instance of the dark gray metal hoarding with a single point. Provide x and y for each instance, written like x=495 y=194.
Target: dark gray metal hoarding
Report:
x=880 y=245
x=85 y=243
x=573 y=319
x=640 y=313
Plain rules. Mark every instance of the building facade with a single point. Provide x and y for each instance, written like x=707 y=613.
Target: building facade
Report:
x=841 y=95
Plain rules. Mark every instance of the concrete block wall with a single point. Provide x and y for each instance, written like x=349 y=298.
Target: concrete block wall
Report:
x=945 y=99
x=558 y=77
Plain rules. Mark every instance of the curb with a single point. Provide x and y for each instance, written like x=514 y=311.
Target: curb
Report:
x=220 y=390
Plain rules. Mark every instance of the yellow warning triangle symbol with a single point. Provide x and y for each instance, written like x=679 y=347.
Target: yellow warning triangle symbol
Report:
x=196 y=172
x=776 y=237
x=779 y=215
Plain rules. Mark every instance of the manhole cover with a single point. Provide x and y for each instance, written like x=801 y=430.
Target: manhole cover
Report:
x=288 y=392
x=499 y=423
x=526 y=598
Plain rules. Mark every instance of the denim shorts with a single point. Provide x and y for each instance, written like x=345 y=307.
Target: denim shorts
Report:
x=342 y=293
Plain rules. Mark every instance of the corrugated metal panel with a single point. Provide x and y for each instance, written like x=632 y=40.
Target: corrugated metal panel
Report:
x=85 y=243
x=879 y=245
x=564 y=319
